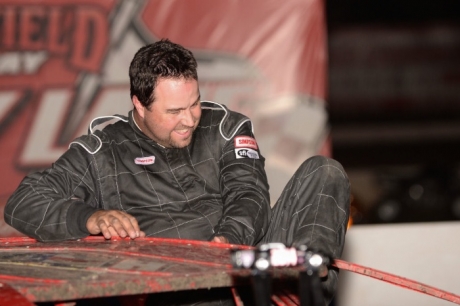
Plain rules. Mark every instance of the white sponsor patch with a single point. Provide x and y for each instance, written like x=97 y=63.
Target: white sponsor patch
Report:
x=144 y=160
x=245 y=142
x=246 y=153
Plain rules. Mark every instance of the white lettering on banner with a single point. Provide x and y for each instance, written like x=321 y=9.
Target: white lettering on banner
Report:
x=39 y=148
x=144 y=160
x=10 y=63
x=245 y=142
x=14 y=63
x=246 y=153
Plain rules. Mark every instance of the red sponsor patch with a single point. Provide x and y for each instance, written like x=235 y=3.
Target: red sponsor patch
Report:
x=144 y=160
x=245 y=142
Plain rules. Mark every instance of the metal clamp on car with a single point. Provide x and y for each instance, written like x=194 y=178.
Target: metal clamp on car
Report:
x=259 y=260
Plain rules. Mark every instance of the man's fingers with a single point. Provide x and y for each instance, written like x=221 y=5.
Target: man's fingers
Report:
x=114 y=223
x=220 y=239
x=104 y=229
x=133 y=226
x=113 y=232
x=126 y=225
x=118 y=227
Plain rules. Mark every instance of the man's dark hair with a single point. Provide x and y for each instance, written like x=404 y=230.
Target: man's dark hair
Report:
x=162 y=59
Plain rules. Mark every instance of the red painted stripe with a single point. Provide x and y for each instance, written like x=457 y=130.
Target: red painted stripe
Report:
x=397 y=280
x=236 y=297
x=9 y=296
x=31 y=279
x=135 y=272
x=174 y=241
x=286 y=298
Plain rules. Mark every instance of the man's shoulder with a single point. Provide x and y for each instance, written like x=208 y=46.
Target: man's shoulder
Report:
x=218 y=111
x=218 y=116
x=100 y=134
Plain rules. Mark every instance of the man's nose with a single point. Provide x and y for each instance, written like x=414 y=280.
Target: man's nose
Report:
x=187 y=118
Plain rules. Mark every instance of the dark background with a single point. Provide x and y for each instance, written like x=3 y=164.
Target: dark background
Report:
x=394 y=105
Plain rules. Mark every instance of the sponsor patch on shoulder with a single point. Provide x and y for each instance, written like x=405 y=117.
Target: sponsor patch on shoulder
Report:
x=148 y=160
x=246 y=153
x=245 y=142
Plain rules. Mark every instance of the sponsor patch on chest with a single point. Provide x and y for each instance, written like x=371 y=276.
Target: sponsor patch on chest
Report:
x=245 y=142
x=246 y=153
x=148 y=160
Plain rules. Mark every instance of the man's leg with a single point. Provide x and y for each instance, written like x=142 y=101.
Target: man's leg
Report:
x=313 y=210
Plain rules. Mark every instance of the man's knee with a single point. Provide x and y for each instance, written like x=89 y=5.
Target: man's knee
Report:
x=329 y=175
x=323 y=165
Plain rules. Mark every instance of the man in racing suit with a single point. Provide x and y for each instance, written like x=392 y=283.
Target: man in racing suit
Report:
x=181 y=168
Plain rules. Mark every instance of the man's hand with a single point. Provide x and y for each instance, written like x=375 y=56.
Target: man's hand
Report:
x=113 y=223
x=220 y=239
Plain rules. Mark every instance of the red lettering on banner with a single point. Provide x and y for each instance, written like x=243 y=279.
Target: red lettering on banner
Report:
x=245 y=142
x=79 y=33
x=61 y=21
x=8 y=27
x=90 y=39
x=32 y=26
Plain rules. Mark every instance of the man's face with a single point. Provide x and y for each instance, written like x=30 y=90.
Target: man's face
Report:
x=174 y=114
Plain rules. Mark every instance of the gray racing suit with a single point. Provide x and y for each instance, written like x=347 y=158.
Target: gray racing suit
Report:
x=205 y=189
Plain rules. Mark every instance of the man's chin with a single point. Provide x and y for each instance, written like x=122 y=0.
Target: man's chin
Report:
x=180 y=144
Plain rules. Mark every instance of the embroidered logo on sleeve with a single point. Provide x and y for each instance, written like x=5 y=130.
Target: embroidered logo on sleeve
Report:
x=245 y=142
x=246 y=153
x=144 y=160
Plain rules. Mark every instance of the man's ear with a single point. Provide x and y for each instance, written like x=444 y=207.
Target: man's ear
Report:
x=138 y=106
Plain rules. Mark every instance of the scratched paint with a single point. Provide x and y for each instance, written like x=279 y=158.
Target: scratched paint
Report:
x=95 y=267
